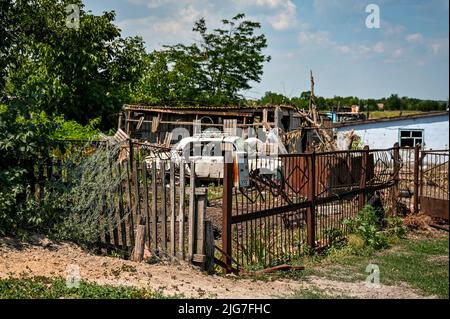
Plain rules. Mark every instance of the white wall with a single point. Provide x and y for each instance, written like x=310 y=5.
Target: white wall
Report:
x=385 y=134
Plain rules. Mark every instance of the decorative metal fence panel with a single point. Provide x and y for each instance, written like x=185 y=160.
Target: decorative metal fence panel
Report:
x=297 y=202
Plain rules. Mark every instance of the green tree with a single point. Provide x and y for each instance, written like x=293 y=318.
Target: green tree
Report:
x=216 y=70
x=82 y=73
x=274 y=98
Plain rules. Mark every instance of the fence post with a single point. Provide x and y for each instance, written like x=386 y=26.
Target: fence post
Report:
x=139 y=246
x=363 y=177
x=191 y=216
x=172 y=198
x=227 y=207
x=396 y=177
x=311 y=210
x=181 y=214
x=417 y=163
x=209 y=247
x=201 y=195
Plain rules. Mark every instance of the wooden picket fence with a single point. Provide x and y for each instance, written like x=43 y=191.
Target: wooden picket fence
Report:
x=158 y=212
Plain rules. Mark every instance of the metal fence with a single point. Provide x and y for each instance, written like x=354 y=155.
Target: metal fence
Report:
x=297 y=202
x=433 y=183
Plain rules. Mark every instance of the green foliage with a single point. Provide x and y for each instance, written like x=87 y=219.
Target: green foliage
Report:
x=27 y=141
x=391 y=103
x=274 y=98
x=214 y=71
x=366 y=224
x=367 y=230
x=82 y=73
x=47 y=288
x=333 y=235
x=92 y=190
x=23 y=142
x=395 y=227
x=64 y=129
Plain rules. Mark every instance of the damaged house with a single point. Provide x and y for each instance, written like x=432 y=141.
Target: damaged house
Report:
x=156 y=124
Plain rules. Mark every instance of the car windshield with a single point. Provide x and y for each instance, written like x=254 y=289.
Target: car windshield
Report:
x=210 y=148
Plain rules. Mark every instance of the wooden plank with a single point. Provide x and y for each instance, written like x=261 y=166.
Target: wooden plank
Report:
x=122 y=228
x=163 y=207
x=209 y=247
x=101 y=225
x=227 y=208
x=172 y=209
x=191 y=217
x=129 y=218
x=146 y=211
x=106 y=221
x=139 y=246
x=137 y=194
x=154 y=216
x=201 y=195
x=181 y=253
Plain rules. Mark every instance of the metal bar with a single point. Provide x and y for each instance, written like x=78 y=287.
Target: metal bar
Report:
x=363 y=178
x=311 y=210
x=417 y=164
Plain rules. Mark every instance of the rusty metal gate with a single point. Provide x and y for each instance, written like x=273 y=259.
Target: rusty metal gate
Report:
x=434 y=194
x=297 y=202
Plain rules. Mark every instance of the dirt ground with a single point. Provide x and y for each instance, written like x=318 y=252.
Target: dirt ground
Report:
x=42 y=257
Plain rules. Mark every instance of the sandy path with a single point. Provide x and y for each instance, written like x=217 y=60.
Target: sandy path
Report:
x=51 y=260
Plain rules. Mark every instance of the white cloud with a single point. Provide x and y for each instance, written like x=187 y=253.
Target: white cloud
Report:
x=414 y=38
x=170 y=29
x=397 y=53
x=283 y=12
x=379 y=47
x=319 y=38
x=323 y=39
x=286 y=19
x=392 y=29
x=333 y=6
x=151 y=3
x=438 y=46
x=265 y=3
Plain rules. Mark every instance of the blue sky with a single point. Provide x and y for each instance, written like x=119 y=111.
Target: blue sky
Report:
x=408 y=55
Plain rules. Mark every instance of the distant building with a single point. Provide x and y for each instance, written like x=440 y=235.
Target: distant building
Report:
x=380 y=106
x=429 y=129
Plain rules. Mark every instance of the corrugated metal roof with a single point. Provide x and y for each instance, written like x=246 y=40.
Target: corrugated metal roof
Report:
x=204 y=107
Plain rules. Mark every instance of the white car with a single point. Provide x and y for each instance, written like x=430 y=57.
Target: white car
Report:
x=208 y=152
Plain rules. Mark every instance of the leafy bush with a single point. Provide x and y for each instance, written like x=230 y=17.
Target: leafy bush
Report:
x=395 y=227
x=27 y=140
x=92 y=191
x=366 y=224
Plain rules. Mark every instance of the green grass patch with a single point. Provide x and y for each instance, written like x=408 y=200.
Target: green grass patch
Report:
x=386 y=114
x=48 y=288
x=420 y=263
x=315 y=293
